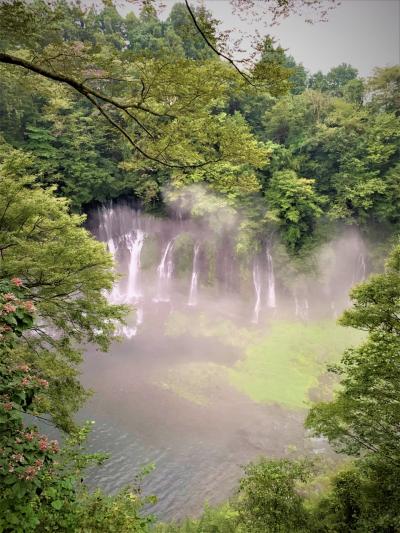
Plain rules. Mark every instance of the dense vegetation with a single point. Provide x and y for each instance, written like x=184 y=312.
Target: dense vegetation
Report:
x=96 y=106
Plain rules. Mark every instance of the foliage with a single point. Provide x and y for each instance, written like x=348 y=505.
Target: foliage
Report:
x=66 y=273
x=335 y=81
x=363 y=418
x=193 y=119
x=221 y=519
x=365 y=413
x=298 y=207
x=384 y=88
x=42 y=486
x=95 y=105
x=350 y=150
x=268 y=498
x=161 y=91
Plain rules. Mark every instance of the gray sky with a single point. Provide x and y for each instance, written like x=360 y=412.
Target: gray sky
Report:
x=364 y=33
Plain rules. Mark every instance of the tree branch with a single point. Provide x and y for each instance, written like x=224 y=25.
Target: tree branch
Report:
x=77 y=85
x=92 y=95
x=213 y=48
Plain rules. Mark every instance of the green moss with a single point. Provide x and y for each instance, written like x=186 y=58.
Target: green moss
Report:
x=283 y=365
x=287 y=363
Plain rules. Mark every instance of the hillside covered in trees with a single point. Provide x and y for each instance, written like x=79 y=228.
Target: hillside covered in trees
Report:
x=225 y=164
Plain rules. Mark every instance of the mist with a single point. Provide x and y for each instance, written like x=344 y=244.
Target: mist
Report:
x=186 y=388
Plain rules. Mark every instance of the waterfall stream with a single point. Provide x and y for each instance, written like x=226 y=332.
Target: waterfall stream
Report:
x=271 y=296
x=257 y=289
x=106 y=218
x=361 y=269
x=193 y=292
x=135 y=247
x=165 y=269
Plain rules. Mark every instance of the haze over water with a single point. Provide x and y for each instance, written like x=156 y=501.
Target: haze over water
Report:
x=198 y=385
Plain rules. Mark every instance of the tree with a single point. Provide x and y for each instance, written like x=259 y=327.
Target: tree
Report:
x=365 y=414
x=153 y=101
x=363 y=419
x=298 y=77
x=335 y=80
x=66 y=273
x=42 y=488
x=268 y=497
x=384 y=87
x=297 y=205
x=77 y=153
x=163 y=104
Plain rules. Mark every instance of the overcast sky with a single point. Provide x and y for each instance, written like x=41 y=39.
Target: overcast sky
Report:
x=364 y=33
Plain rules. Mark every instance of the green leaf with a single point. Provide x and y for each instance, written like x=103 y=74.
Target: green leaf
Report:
x=57 y=504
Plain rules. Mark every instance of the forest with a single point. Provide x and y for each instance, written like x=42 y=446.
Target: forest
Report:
x=139 y=160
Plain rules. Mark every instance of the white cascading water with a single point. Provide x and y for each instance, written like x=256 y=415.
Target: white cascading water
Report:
x=133 y=242
x=107 y=215
x=165 y=269
x=271 y=296
x=193 y=292
x=257 y=290
x=133 y=293
x=135 y=247
x=361 y=269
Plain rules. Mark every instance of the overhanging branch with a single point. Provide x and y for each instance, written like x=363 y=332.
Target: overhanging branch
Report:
x=94 y=96
x=213 y=48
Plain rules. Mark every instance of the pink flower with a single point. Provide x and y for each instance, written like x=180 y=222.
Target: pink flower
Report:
x=29 y=306
x=16 y=281
x=29 y=436
x=44 y=383
x=9 y=308
x=30 y=472
x=9 y=296
x=7 y=406
x=26 y=381
x=43 y=444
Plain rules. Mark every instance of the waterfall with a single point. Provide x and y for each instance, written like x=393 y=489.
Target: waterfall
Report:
x=301 y=308
x=306 y=309
x=106 y=215
x=164 y=270
x=132 y=242
x=135 y=247
x=257 y=289
x=361 y=269
x=271 y=296
x=296 y=305
x=139 y=316
x=192 y=301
